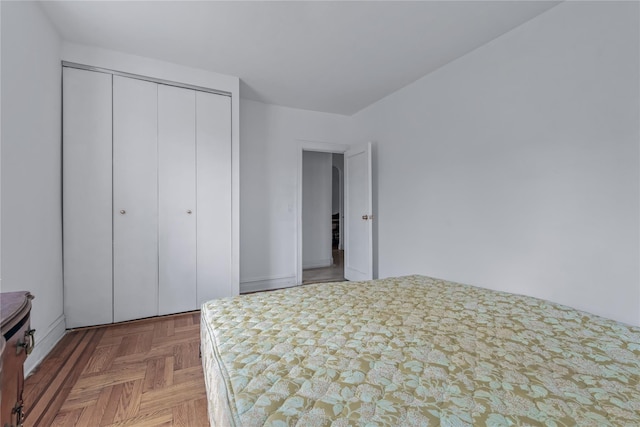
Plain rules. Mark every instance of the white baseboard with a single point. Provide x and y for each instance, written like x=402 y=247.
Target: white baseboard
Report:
x=318 y=263
x=44 y=344
x=267 y=283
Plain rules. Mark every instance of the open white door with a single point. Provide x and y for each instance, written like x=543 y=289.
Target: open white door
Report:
x=358 y=215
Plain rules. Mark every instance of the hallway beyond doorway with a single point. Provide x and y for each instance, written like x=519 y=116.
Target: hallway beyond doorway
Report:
x=333 y=273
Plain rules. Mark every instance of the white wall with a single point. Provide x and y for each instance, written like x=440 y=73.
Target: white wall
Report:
x=118 y=61
x=31 y=199
x=316 y=209
x=269 y=150
x=516 y=166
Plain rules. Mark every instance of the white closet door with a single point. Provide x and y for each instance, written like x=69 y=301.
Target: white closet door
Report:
x=213 y=136
x=177 y=199
x=86 y=124
x=135 y=199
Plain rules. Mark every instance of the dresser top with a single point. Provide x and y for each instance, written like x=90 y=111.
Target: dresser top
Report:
x=13 y=307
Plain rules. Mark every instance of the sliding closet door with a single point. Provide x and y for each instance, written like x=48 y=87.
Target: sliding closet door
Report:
x=213 y=135
x=177 y=199
x=135 y=199
x=86 y=166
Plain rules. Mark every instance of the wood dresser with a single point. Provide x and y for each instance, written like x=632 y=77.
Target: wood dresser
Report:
x=15 y=311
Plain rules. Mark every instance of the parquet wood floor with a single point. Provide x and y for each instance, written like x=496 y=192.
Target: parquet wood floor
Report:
x=142 y=373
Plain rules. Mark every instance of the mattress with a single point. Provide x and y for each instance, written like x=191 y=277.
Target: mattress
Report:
x=414 y=351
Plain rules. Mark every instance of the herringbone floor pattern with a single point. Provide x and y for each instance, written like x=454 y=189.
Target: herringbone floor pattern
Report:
x=143 y=373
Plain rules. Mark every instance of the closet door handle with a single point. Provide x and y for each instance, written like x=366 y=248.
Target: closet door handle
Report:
x=189 y=211
x=122 y=212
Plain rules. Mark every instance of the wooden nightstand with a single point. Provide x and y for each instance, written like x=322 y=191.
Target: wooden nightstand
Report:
x=15 y=310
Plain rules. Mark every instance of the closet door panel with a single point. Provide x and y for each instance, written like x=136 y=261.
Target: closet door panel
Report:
x=177 y=199
x=213 y=136
x=87 y=177
x=135 y=199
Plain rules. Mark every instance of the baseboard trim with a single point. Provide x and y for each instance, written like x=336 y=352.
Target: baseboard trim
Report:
x=266 y=283
x=44 y=344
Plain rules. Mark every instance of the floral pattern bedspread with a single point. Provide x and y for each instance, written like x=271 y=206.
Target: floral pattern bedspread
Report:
x=415 y=351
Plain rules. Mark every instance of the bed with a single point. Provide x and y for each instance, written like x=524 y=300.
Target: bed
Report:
x=414 y=351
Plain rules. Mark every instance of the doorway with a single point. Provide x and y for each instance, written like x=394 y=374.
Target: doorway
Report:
x=322 y=217
x=355 y=226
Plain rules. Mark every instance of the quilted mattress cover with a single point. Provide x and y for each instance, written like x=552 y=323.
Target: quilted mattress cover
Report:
x=415 y=351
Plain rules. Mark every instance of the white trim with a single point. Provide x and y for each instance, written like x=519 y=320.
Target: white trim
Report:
x=44 y=344
x=267 y=283
x=144 y=78
x=235 y=191
x=341 y=208
x=304 y=145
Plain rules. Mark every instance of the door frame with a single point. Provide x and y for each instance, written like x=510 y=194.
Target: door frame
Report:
x=302 y=146
x=341 y=203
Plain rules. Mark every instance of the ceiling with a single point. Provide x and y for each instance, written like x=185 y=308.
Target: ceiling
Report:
x=336 y=57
